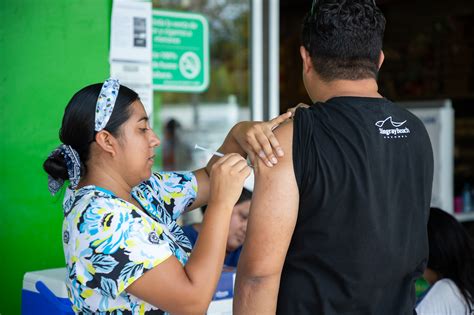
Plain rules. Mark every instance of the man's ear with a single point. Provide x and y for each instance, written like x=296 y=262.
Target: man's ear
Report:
x=106 y=141
x=381 y=58
x=307 y=63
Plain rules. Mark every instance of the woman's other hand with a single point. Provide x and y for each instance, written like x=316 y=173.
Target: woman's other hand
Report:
x=257 y=139
x=227 y=180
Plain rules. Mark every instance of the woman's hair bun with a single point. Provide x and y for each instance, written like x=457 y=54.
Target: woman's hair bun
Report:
x=55 y=166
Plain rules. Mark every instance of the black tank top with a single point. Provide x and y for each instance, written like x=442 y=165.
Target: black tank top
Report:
x=364 y=169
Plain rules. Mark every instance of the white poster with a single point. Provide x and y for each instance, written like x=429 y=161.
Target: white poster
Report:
x=130 y=48
x=438 y=118
x=136 y=76
x=130 y=38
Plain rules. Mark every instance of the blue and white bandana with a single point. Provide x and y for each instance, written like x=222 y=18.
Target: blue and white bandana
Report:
x=105 y=103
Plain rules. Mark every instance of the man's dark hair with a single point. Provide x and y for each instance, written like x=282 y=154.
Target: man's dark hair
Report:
x=344 y=38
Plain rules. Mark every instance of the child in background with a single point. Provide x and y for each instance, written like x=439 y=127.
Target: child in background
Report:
x=237 y=228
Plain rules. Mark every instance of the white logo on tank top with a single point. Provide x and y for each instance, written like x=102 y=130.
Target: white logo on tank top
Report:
x=393 y=131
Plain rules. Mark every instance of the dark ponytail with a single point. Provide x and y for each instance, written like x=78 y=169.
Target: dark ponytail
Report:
x=77 y=129
x=55 y=166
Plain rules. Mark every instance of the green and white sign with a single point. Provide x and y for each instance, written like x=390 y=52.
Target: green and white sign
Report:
x=180 y=51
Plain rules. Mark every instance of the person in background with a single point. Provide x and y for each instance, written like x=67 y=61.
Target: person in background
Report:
x=169 y=144
x=125 y=252
x=176 y=154
x=450 y=270
x=237 y=229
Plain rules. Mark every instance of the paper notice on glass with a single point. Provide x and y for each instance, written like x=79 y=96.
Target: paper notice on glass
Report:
x=130 y=37
x=136 y=76
x=145 y=93
x=130 y=48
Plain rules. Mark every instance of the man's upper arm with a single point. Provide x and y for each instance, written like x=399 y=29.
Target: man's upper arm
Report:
x=272 y=220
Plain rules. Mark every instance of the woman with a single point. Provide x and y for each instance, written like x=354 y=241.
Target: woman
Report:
x=450 y=270
x=124 y=251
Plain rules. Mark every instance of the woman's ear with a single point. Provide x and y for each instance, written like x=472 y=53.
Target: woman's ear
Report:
x=107 y=142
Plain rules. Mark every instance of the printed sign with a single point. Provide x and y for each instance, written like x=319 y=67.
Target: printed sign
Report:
x=180 y=51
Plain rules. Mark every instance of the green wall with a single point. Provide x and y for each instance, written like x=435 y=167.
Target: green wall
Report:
x=48 y=50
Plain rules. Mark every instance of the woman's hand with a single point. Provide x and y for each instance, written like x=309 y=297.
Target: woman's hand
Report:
x=227 y=180
x=292 y=110
x=257 y=139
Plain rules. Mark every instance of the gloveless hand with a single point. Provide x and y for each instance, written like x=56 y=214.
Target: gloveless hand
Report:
x=257 y=139
x=292 y=110
x=227 y=179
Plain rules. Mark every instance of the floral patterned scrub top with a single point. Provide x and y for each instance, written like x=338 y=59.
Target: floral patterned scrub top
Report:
x=109 y=243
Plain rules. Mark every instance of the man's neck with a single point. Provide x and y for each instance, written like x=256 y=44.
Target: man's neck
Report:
x=324 y=91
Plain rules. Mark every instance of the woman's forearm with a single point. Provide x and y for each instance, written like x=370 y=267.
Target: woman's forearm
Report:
x=204 y=266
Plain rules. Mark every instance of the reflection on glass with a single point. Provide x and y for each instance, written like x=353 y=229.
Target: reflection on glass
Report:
x=185 y=119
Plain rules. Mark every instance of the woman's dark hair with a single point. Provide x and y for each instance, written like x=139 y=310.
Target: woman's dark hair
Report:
x=451 y=252
x=244 y=196
x=77 y=129
x=344 y=38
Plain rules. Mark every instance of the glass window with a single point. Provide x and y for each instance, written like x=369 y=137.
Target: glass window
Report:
x=186 y=119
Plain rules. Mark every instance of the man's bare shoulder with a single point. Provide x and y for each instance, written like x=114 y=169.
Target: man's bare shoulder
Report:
x=284 y=130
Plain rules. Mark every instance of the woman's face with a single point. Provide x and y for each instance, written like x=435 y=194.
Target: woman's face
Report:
x=238 y=226
x=137 y=146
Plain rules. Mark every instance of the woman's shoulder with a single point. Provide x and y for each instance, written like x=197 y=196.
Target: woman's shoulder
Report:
x=171 y=184
x=177 y=178
x=88 y=197
x=173 y=191
x=443 y=297
x=446 y=286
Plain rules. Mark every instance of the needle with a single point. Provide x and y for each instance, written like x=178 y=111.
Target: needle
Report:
x=207 y=150
x=198 y=147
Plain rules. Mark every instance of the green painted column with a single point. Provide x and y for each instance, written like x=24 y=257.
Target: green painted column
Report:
x=48 y=50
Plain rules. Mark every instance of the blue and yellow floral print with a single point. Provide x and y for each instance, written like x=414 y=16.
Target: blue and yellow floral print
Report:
x=109 y=242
